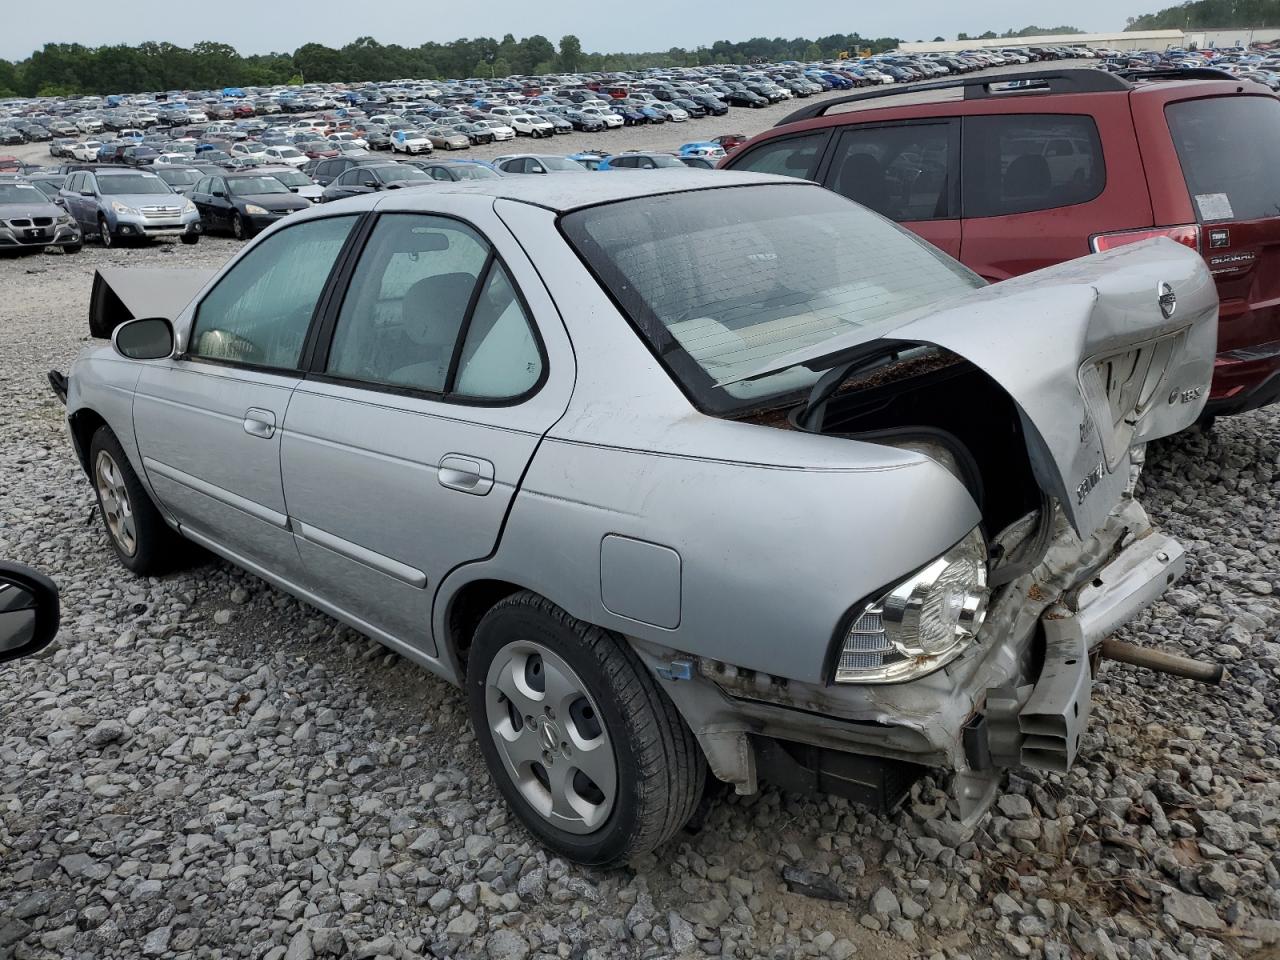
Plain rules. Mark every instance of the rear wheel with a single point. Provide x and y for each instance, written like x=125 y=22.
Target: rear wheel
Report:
x=590 y=753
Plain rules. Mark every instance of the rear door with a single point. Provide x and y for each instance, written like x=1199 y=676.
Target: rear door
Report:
x=404 y=446
x=1228 y=149
x=1037 y=185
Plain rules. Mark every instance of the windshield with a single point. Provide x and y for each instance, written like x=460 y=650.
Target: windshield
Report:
x=20 y=193
x=294 y=178
x=723 y=282
x=395 y=174
x=474 y=171
x=560 y=163
x=178 y=177
x=132 y=184
x=252 y=186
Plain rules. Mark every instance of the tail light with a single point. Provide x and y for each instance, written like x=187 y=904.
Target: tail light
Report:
x=1187 y=234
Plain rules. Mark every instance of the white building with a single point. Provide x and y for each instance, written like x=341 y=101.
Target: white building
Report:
x=1127 y=40
x=1212 y=38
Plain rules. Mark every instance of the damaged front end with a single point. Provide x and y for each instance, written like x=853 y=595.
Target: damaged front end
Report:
x=1037 y=395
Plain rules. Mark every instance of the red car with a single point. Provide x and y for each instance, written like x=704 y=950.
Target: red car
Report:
x=730 y=141
x=1031 y=169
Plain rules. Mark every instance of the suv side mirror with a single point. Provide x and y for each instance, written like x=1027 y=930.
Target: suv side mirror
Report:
x=150 y=338
x=29 y=611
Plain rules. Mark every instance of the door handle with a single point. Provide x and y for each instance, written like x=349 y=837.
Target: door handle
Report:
x=466 y=474
x=259 y=423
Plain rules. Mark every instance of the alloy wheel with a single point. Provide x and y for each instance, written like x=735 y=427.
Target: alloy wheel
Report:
x=551 y=737
x=104 y=233
x=117 y=509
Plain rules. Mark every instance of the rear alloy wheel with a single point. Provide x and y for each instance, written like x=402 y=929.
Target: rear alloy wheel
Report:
x=583 y=744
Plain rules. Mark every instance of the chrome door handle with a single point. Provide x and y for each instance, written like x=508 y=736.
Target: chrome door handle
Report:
x=465 y=474
x=259 y=423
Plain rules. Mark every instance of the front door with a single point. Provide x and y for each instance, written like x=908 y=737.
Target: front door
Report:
x=405 y=445
x=208 y=420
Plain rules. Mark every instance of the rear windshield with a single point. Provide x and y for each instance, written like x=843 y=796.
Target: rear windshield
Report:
x=722 y=283
x=1229 y=148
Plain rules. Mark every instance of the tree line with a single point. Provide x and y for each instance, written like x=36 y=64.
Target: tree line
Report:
x=71 y=69
x=1201 y=14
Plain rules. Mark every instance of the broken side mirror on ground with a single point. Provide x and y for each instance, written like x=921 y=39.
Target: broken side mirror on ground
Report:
x=29 y=611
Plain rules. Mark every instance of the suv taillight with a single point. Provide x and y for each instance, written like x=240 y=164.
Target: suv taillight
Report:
x=1188 y=235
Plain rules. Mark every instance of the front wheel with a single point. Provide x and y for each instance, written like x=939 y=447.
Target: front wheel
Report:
x=104 y=232
x=583 y=744
x=238 y=228
x=143 y=542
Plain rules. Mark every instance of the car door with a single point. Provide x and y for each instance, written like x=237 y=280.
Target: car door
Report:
x=908 y=171
x=208 y=419
x=404 y=446
x=70 y=196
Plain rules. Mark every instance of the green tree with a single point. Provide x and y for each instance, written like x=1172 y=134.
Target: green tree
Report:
x=570 y=53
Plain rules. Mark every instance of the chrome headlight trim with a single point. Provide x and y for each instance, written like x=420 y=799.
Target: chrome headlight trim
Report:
x=922 y=623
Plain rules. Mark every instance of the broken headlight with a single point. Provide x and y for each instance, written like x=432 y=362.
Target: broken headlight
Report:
x=923 y=623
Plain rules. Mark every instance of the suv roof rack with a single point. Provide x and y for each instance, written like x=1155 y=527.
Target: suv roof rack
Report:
x=1175 y=73
x=1027 y=82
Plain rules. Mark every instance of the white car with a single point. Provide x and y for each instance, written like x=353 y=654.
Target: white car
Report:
x=248 y=148
x=197 y=116
x=89 y=125
x=344 y=136
x=285 y=154
x=86 y=151
x=172 y=159
x=410 y=141
x=526 y=124
x=611 y=119
x=500 y=129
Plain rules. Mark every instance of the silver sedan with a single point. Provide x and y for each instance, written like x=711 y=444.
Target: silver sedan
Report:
x=686 y=475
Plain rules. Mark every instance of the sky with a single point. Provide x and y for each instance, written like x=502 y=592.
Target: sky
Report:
x=655 y=25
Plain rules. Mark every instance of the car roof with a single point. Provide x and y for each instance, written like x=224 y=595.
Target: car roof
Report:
x=573 y=191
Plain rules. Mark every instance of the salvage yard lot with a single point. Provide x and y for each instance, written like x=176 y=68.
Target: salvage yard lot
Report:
x=205 y=767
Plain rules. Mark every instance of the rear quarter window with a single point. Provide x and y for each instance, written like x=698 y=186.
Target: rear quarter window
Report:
x=1229 y=149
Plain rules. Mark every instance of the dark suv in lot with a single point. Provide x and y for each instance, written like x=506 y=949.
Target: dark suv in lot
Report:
x=1027 y=170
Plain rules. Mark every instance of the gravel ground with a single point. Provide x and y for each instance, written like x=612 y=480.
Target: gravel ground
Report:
x=204 y=767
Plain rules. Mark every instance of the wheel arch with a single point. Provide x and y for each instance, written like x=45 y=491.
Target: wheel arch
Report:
x=84 y=423
x=464 y=609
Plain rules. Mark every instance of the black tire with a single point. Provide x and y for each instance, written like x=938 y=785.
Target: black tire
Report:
x=661 y=769
x=157 y=548
x=238 y=228
x=190 y=239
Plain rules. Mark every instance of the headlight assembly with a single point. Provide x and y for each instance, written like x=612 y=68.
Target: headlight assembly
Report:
x=254 y=210
x=124 y=208
x=189 y=208
x=923 y=623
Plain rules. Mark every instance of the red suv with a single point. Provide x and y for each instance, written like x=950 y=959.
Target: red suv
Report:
x=1030 y=169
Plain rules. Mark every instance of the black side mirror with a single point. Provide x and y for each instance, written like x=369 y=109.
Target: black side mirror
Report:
x=148 y=339
x=29 y=611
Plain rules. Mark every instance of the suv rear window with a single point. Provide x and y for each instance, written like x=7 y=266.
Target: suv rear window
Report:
x=1229 y=149
x=1019 y=163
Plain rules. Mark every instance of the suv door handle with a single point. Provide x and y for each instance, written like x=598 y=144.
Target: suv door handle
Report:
x=465 y=474
x=259 y=423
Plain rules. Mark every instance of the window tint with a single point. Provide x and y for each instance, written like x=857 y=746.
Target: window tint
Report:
x=903 y=171
x=499 y=357
x=259 y=312
x=1228 y=148
x=407 y=302
x=1017 y=163
x=788 y=157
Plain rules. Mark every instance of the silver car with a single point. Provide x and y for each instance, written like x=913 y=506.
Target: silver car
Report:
x=29 y=220
x=680 y=474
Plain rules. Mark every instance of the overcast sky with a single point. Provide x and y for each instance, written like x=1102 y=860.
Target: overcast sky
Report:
x=653 y=25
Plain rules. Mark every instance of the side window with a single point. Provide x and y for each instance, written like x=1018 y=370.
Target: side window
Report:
x=787 y=156
x=346 y=179
x=500 y=358
x=440 y=173
x=624 y=162
x=1018 y=163
x=259 y=312
x=423 y=284
x=365 y=177
x=407 y=302
x=90 y=183
x=202 y=186
x=904 y=171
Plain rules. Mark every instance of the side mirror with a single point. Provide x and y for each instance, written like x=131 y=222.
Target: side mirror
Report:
x=29 y=611
x=220 y=193
x=148 y=339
